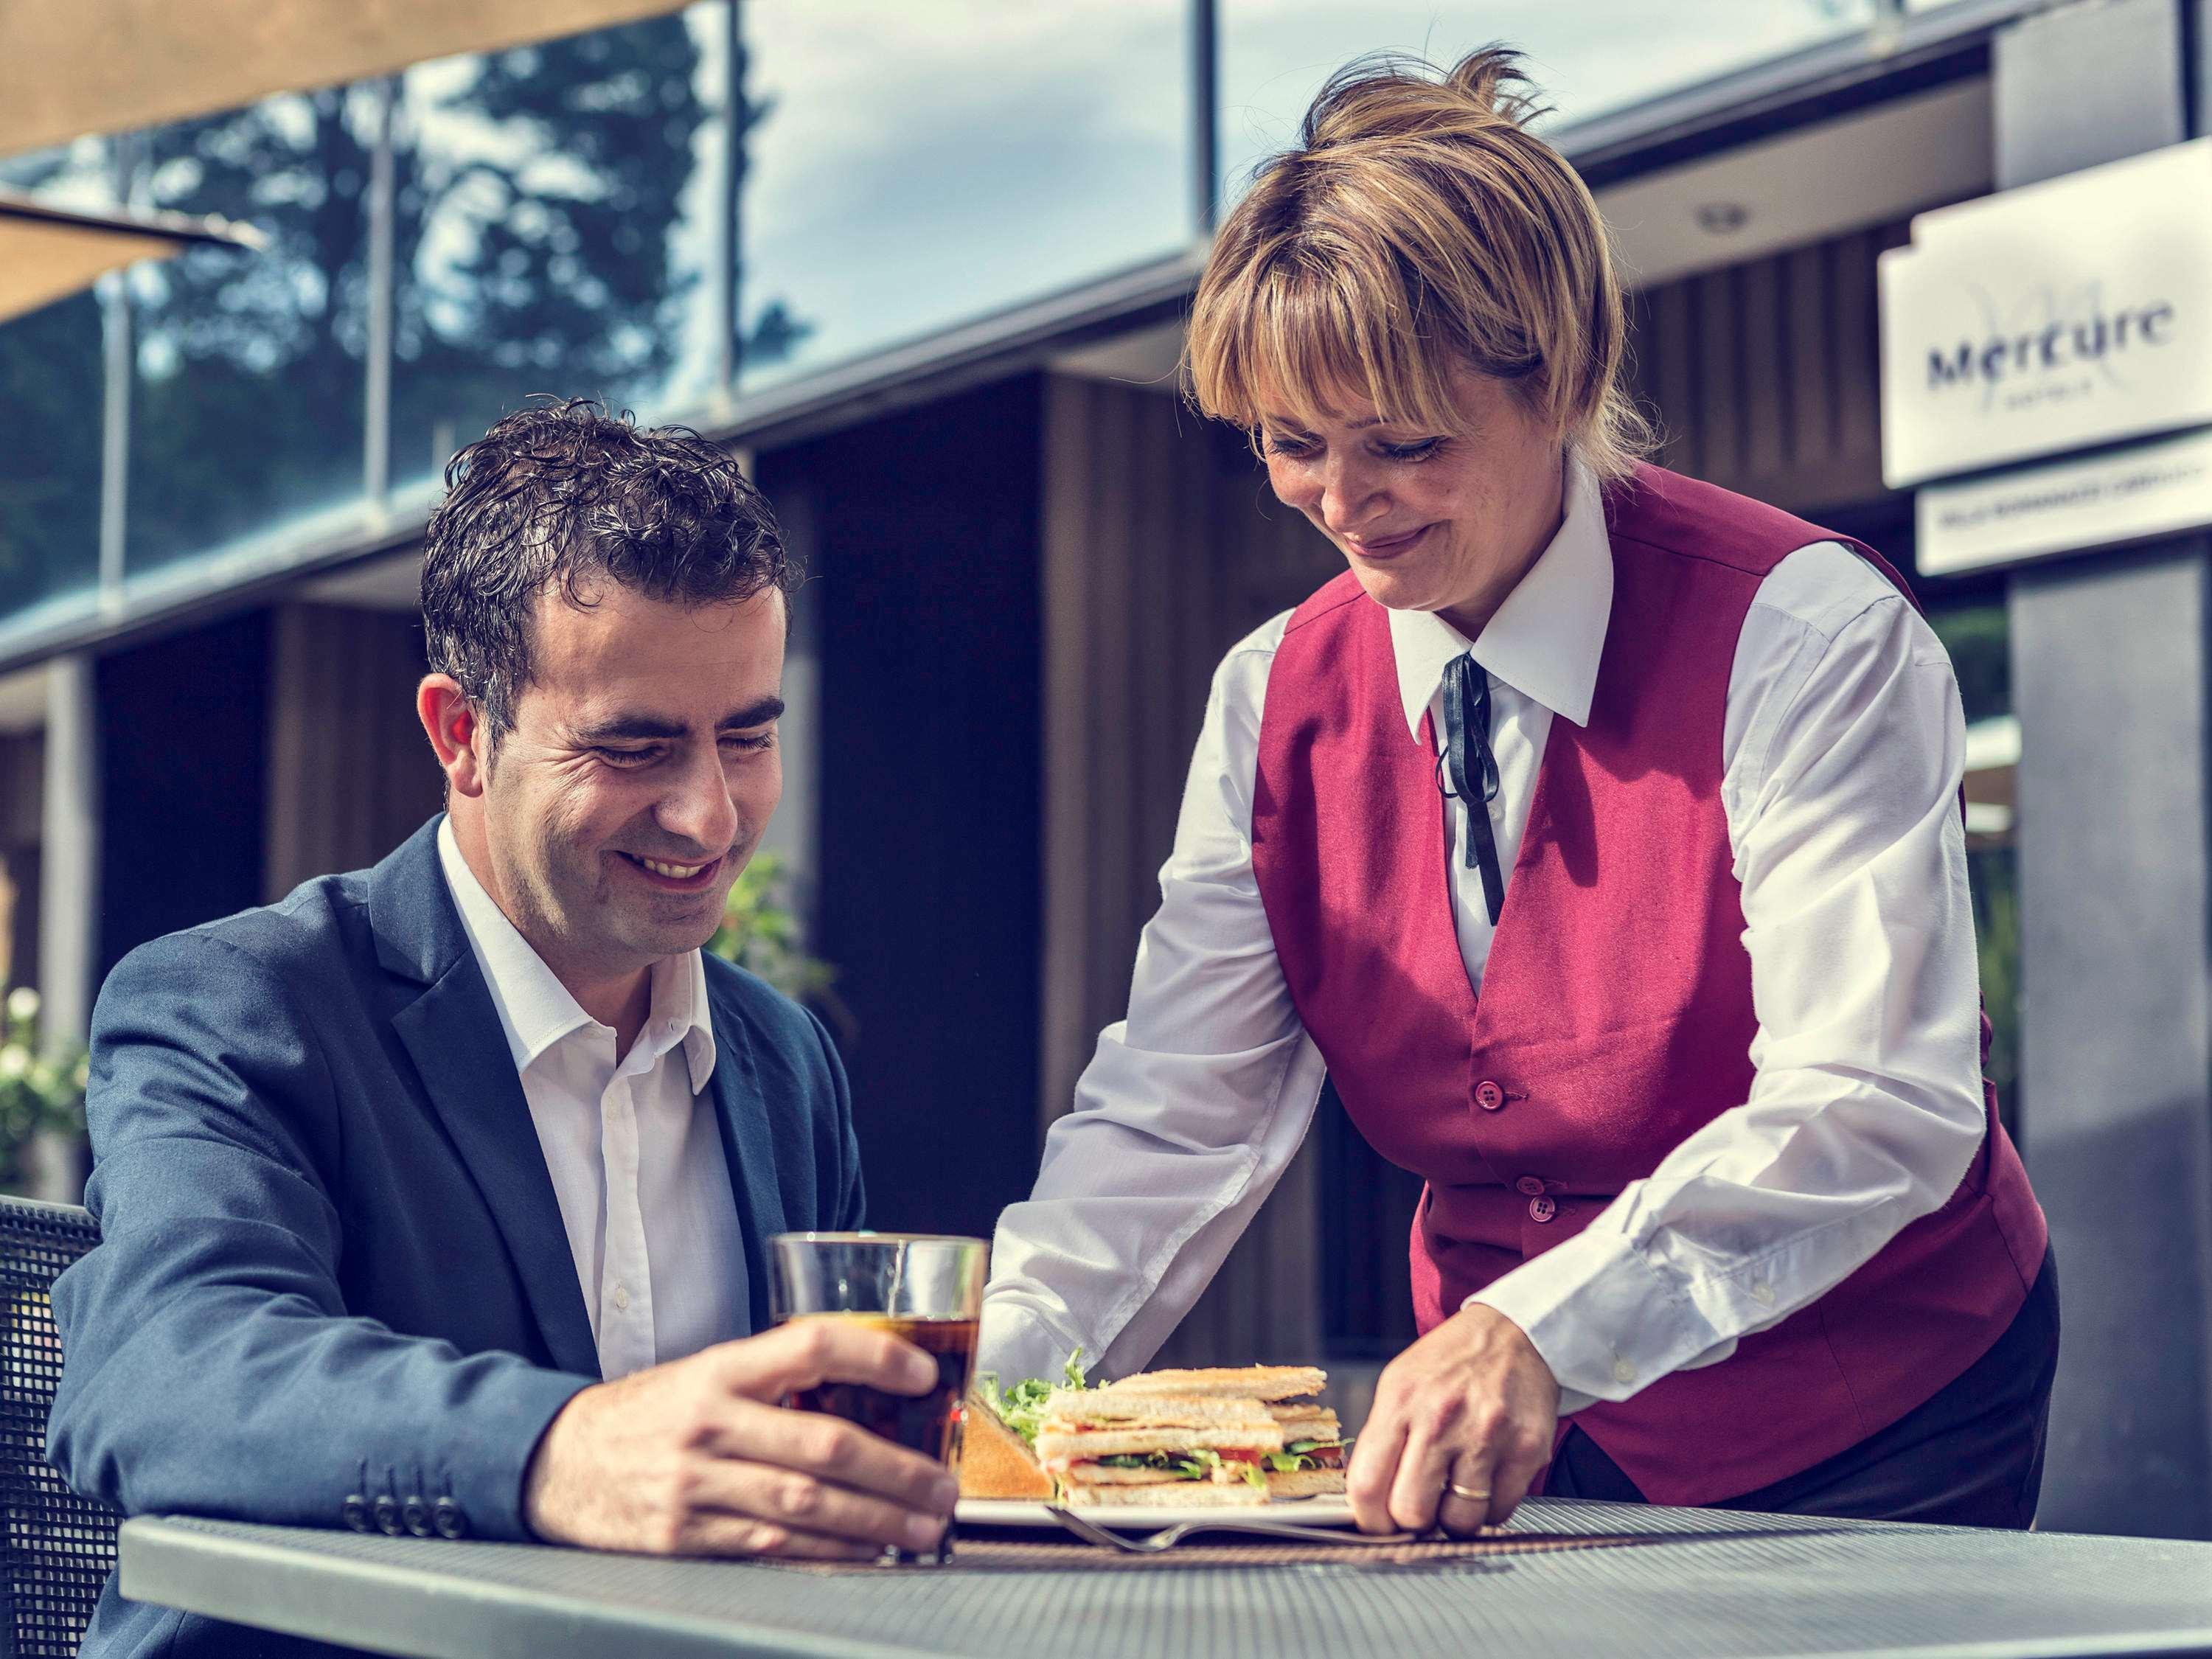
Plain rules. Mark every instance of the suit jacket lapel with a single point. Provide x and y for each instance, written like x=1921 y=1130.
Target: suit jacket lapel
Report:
x=452 y=1031
x=749 y=1147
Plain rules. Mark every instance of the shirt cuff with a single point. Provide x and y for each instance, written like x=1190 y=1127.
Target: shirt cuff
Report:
x=1602 y=1318
x=1016 y=1342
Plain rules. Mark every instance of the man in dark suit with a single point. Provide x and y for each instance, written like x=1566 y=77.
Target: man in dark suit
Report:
x=435 y=1197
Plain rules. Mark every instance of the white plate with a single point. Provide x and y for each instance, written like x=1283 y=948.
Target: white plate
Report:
x=1330 y=1511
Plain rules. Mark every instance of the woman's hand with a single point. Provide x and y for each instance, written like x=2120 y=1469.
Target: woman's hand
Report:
x=1471 y=1405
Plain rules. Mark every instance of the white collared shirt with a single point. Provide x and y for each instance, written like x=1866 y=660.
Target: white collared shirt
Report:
x=1843 y=747
x=634 y=1146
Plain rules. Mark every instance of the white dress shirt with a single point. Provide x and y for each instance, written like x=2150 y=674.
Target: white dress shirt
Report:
x=1842 y=752
x=633 y=1146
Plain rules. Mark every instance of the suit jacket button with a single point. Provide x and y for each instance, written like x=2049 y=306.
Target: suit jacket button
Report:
x=355 y=1512
x=1489 y=1095
x=1529 y=1186
x=417 y=1513
x=387 y=1517
x=447 y=1516
x=1542 y=1209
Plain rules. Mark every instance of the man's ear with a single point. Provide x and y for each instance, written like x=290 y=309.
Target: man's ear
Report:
x=455 y=730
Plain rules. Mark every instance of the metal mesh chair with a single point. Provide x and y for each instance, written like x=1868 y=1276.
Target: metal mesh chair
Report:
x=59 y=1548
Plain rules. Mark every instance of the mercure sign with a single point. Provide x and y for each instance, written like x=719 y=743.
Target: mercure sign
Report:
x=2058 y=317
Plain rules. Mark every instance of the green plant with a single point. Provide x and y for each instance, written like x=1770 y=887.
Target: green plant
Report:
x=37 y=1090
x=761 y=935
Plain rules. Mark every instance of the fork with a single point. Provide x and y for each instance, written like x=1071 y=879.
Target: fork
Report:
x=1168 y=1538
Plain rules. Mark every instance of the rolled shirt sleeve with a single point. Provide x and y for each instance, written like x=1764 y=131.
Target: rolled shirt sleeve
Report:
x=1846 y=746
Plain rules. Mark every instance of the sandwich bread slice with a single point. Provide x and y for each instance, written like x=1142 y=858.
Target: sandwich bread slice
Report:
x=1267 y=1383
x=1311 y=1462
x=995 y=1461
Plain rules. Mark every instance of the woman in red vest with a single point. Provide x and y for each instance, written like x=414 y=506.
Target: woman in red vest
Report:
x=1597 y=834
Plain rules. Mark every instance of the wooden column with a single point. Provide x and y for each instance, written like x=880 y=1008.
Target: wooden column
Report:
x=350 y=774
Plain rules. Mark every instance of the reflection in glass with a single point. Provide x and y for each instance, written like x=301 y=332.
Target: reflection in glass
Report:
x=1590 y=56
x=557 y=229
x=247 y=408
x=50 y=395
x=912 y=167
x=50 y=376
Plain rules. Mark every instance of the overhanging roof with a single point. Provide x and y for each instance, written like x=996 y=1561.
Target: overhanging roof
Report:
x=47 y=253
x=115 y=65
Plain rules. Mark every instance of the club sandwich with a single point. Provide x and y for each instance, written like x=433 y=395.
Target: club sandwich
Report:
x=1113 y=1445
x=1309 y=1463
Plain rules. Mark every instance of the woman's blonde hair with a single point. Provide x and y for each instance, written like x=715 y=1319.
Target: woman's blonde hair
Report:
x=1418 y=226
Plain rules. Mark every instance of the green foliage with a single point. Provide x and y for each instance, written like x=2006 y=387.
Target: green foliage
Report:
x=37 y=1091
x=1995 y=880
x=760 y=933
x=1980 y=642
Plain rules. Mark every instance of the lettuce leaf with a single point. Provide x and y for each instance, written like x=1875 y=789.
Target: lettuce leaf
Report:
x=1181 y=1469
x=1022 y=1407
x=1298 y=1455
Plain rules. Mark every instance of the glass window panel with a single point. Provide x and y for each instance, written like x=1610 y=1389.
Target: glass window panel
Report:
x=558 y=229
x=246 y=411
x=1590 y=56
x=914 y=167
x=51 y=368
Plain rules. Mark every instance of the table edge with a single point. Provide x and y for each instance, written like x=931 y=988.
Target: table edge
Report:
x=159 y=1557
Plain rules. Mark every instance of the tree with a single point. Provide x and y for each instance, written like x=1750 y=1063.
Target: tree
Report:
x=537 y=192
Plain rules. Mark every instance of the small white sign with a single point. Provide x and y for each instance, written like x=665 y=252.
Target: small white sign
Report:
x=2157 y=488
x=2059 y=316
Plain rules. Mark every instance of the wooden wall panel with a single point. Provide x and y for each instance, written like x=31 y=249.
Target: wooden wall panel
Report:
x=350 y=774
x=1162 y=548
x=1764 y=376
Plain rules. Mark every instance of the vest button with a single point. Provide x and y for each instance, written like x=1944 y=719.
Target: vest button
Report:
x=1489 y=1095
x=1529 y=1186
x=1542 y=1209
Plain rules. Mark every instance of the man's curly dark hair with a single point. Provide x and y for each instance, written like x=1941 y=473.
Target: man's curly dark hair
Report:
x=564 y=495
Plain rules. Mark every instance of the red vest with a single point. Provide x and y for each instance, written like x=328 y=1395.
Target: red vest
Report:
x=1616 y=1017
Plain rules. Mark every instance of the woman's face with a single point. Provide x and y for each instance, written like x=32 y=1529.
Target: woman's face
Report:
x=1429 y=521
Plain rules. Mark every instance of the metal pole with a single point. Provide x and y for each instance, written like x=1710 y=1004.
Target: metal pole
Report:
x=118 y=369
x=376 y=397
x=1205 y=116
x=728 y=273
x=68 y=886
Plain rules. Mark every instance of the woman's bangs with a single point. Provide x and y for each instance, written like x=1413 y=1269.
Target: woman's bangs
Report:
x=1305 y=349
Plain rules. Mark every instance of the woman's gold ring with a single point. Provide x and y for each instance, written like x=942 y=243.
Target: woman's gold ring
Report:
x=1467 y=1492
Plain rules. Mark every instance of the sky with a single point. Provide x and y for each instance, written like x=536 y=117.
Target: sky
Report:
x=930 y=163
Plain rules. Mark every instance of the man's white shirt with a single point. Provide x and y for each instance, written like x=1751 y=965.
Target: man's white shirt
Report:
x=1841 y=754
x=634 y=1147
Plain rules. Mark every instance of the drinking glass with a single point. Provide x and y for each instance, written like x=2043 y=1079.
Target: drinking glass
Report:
x=925 y=1289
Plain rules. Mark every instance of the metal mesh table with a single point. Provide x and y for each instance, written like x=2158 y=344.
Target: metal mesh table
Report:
x=1723 y=1584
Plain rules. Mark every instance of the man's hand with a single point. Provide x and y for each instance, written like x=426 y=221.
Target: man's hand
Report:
x=694 y=1457
x=1471 y=1405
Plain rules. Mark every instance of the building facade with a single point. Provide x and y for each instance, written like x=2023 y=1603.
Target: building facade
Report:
x=926 y=266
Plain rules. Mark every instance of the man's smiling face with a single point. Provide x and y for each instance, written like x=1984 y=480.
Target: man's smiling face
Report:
x=638 y=777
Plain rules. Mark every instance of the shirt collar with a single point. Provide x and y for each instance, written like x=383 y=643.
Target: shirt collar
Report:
x=1545 y=640
x=536 y=1010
